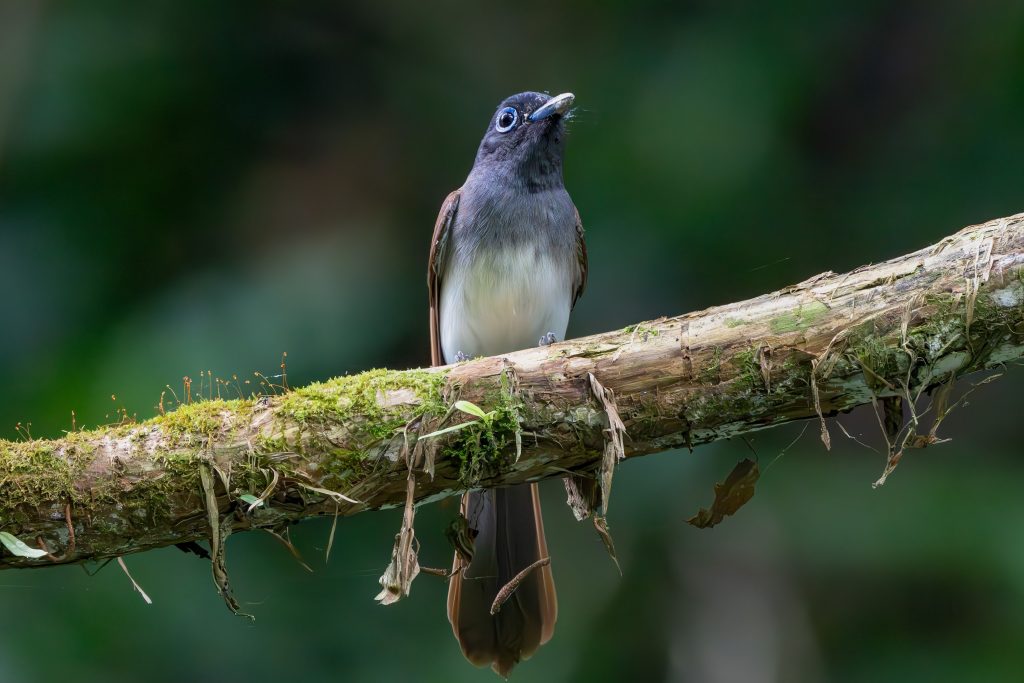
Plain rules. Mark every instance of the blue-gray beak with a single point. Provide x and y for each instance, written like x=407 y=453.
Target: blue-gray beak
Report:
x=559 y=104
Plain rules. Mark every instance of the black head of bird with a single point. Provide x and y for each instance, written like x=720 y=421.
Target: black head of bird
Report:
x=525 y=140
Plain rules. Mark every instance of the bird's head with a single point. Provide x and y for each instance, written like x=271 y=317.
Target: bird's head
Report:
x=525 y=140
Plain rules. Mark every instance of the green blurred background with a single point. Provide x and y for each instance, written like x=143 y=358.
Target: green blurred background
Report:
x=190 y=187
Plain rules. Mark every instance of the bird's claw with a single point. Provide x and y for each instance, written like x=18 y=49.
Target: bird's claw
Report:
x=548 y=339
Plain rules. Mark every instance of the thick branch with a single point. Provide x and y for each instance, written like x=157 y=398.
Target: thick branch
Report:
x=822 y=346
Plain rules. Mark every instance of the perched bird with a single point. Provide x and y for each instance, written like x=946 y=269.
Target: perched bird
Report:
x=507 y=264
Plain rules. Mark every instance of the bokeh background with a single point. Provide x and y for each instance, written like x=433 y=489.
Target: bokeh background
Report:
x=200 y=187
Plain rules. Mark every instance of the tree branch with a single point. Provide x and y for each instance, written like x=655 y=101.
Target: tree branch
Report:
x=823 y=346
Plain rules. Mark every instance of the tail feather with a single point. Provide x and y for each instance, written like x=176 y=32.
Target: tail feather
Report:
x=510 y=537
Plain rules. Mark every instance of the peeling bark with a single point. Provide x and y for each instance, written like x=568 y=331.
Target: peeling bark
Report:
x=808 y=351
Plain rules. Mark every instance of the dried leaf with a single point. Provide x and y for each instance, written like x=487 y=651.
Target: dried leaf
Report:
x=825 y=437
x=583 y=496
x=890 y=467
x=891 y=422
x=330 y=539
x=730 y=495
x=333 y=495
x=601 y=526
x=258 y=501
x=218 y=535
x=284 y=539
x=614 y=447
x=135 y=585
x=397 y=578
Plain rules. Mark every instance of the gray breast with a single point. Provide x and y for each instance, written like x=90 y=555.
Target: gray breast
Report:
x=509 y=275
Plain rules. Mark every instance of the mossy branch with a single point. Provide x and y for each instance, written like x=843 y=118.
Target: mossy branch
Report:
x=811 y=350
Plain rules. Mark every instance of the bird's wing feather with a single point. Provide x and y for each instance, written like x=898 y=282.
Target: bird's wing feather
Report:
x=581 y=258
x=435 y=267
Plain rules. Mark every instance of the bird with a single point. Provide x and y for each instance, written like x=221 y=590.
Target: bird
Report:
x=508 y=263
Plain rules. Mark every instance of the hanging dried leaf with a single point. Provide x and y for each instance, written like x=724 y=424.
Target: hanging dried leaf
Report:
x=614 y=447
x=826 y=438
x=583 y=496
x=330 y=538
x=892 y=427
x=219 y=533
x=396 y=581
x=601 y=526
x=730 y=495
x=135 y=585
x=284 y=538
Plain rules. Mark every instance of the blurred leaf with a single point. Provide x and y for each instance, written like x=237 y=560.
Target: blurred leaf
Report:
x=730 y=495
x=18 y=547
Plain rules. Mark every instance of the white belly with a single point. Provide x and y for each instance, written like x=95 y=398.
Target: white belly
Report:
x=503 y=303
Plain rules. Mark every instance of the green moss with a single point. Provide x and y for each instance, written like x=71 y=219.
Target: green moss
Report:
x=748 y=368
x=935 y=346
x=804 y=316
x=201 y=418
x=877 y=358
x=485 y=447
x=709 y=409
x=641 y=330
x=45 y=473
x=362 y=396
x=711 y=373
x=34 y=471
x=370 y=406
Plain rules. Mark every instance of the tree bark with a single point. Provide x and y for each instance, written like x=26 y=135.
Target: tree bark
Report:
x=826 y=345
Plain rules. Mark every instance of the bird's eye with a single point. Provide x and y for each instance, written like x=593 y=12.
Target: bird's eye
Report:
x=506 y=120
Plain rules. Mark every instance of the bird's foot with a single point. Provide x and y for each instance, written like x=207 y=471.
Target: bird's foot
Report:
x=460 y=357
x=548 y=339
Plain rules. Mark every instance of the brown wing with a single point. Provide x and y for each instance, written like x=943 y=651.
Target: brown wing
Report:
x=581 y=256
x=435 y=267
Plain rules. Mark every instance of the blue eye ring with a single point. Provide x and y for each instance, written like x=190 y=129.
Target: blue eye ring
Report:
x=507 y=120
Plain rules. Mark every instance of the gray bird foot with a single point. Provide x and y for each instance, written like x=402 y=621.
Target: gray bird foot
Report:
x=460 y=357
x=548 y=339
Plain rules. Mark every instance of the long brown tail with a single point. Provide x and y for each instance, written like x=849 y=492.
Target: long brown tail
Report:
x=510 y=537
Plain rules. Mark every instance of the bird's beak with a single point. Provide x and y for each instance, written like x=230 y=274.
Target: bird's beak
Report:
x=559 y=104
